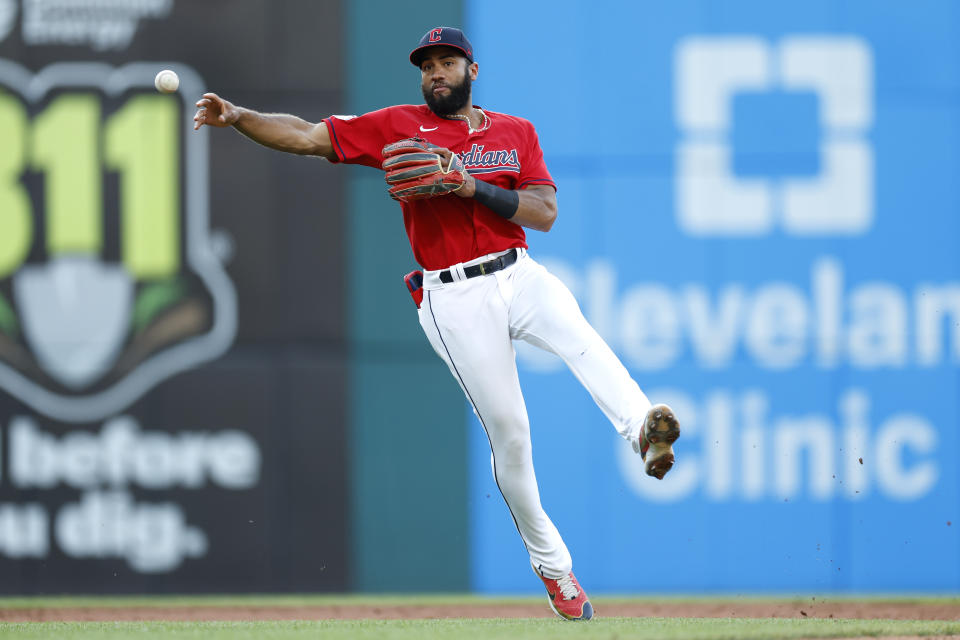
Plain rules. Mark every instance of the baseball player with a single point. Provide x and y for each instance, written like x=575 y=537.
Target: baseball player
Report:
x=468 y=181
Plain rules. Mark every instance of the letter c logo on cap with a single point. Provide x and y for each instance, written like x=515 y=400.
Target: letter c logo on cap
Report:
x=435 y=35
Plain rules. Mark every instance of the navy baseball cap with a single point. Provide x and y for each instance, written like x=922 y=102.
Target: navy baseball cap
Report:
x=445 y=36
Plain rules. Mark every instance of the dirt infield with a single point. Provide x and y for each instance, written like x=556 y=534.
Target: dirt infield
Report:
x=809 y=607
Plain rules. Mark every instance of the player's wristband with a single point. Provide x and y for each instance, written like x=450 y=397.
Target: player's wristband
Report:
x=502 y=202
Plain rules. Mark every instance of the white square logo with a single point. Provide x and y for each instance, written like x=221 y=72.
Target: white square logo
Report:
x=711 y=199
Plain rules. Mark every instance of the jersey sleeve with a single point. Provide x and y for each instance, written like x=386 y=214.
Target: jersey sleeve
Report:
x=359 y=139
x=533 y=170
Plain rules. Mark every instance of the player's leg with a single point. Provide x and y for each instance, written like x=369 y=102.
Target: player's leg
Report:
x=546 y=314
x=466 y=323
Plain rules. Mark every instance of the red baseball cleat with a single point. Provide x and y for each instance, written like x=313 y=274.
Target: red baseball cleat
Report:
x=659 y=431
x=566 y=598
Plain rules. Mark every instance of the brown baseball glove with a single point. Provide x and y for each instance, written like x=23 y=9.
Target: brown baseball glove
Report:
x=416 y=171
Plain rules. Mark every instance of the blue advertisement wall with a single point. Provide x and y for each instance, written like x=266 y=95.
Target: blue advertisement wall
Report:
x=759 y=212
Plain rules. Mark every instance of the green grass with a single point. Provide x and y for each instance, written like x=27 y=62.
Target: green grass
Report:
x=458 y=629
x=539 y=629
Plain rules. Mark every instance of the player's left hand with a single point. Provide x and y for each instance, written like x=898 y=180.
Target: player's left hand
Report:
x=417 y=170
x=469 y=182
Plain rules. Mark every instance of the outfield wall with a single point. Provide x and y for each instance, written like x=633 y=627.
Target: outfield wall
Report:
x=212 y=377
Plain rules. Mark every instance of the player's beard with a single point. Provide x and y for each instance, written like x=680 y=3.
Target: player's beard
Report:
x=449 y=104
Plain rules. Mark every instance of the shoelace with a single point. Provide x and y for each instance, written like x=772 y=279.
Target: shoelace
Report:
x=568 y=587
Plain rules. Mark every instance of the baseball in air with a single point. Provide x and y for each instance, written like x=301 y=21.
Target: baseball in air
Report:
x=166 y=81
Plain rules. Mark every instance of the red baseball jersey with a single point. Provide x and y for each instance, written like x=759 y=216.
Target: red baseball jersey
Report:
x=449 y=229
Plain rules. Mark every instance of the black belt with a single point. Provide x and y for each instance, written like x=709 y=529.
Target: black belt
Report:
x=482 y=269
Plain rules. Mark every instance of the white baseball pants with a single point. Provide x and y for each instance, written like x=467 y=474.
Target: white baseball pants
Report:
x=471 y=324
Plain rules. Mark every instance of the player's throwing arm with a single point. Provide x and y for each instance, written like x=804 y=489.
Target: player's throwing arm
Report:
x=279 y=131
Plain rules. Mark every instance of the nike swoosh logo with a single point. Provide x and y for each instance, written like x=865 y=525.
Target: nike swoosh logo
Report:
x=432 y=129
